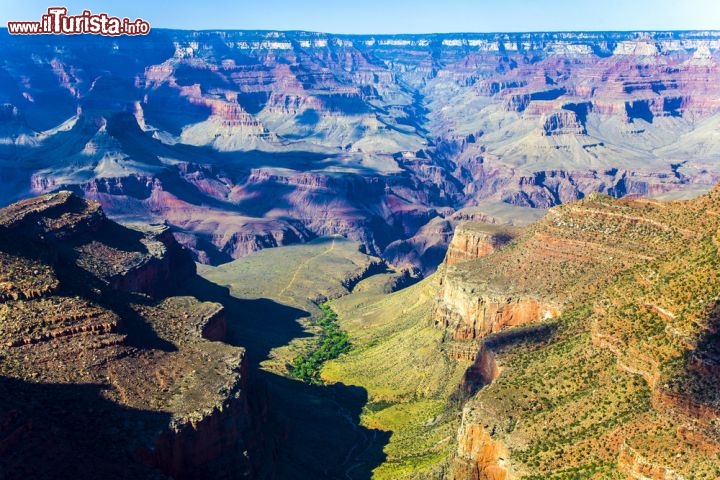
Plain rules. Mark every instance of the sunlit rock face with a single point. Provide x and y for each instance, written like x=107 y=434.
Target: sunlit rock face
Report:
x=631 y=284
x=249 y=140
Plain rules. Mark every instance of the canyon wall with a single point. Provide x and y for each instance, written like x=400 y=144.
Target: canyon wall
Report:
x=247 y=140
x=478 y=456
x=613 y=380
x=467 y=314
x=134 y=385
x=473 y=240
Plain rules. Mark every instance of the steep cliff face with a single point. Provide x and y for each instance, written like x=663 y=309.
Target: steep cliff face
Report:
x=620 y=383
x=478 y=457
x=93 y=362
x=468 y=314
x=473 y=240
x=221 y=433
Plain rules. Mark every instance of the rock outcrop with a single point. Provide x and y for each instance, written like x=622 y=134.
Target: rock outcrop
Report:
x=93 y=350
x=483 y=371
x=468 y=314
x=478 y=456
x=474 y=240
x=520 y=285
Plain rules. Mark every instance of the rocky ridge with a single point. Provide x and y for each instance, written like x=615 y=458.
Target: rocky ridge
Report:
x=137 y=383
x=639 y=398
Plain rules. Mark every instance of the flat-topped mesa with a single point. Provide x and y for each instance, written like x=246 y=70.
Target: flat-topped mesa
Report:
x=563 y=122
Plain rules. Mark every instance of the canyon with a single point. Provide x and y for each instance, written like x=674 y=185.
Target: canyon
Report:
x=582 y=344
x=243 y=140
x=518 y=233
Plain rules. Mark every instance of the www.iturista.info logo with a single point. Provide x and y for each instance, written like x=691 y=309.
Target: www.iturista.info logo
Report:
x=57 y=21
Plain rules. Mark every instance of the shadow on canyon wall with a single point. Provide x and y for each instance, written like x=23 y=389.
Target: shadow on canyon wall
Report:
x=66 y=431
x=316 y=427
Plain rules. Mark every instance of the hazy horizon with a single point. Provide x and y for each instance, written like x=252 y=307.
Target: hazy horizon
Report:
x=375 y=17
x=414 y=34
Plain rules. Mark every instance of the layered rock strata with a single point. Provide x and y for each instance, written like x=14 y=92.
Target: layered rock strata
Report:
x=138 y=384
x=247 y=140
x=614 y=276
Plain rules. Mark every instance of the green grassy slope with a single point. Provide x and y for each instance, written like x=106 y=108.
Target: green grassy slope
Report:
x=397 y=357
x=275 y=296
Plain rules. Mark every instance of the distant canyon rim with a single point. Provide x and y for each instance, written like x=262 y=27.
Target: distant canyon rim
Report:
x=244 y=140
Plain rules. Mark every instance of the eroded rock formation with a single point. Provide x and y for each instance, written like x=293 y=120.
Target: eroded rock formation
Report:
x=478 y=456
x=467 y=314
x=474 y=240
x=249 y=140
x=93 y=351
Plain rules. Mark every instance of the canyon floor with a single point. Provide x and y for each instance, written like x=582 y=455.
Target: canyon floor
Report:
x=387 y=409
x=277 y=293
x=412 y=437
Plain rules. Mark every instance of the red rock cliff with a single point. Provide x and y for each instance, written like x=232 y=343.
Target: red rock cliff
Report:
x=474 y=240
x=478 y=456
x=467 y=313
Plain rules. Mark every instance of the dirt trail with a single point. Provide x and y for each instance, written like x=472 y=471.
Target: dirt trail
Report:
x=301 y=266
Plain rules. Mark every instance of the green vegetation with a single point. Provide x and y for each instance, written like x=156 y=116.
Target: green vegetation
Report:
x=396 y=357
x=333 y=342
x=637 y=283
x=278 y=292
